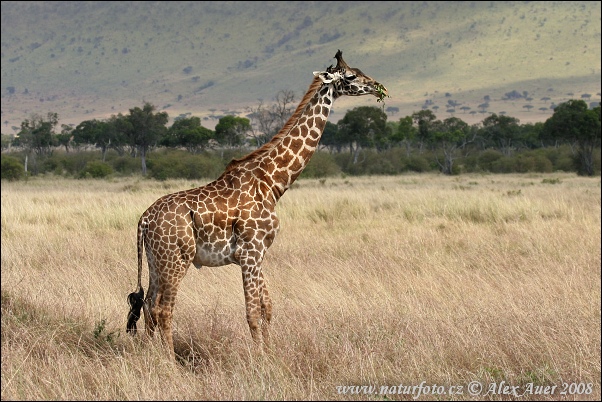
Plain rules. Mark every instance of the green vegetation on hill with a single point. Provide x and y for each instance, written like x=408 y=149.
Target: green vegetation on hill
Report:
x=88 y=60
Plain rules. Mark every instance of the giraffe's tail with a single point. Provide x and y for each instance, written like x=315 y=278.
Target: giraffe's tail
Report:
x=136 y=299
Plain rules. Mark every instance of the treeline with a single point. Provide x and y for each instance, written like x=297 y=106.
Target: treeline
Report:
x=362 y=142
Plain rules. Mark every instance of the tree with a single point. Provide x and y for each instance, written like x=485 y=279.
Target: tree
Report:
x=573 y=122
x=262 y=126
x=118 y=126
x=406 y=133
x=512 y=95
x=103 y=134
x=145 y=129
x=188 y=133
x=267 y=121
x=65 y=136
x=392 y=110
x=450 y=135
x=231 y=130
x=364 y=127
x=424 y=120
x=7 y=141
x=283 y=108
x=502 y=131
x=37 y=135
x=530 y=135
x=331 y=137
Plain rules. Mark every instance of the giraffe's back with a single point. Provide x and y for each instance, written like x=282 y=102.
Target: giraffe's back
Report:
x=192 y=225
x=209 y=225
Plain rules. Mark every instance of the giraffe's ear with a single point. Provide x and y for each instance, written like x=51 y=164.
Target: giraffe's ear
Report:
x=326 y=77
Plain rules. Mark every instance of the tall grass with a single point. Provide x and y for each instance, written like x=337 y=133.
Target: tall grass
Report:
x=375 y=281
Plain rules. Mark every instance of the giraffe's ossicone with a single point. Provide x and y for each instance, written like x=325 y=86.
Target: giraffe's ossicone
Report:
x=232 y=220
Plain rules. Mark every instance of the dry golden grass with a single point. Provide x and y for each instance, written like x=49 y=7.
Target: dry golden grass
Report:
x=376 y=281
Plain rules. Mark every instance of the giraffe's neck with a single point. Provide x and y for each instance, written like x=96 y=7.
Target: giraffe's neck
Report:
x=291 y=153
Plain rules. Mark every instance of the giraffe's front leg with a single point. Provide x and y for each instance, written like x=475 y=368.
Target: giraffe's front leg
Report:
x=250 y=281
x=266 y=310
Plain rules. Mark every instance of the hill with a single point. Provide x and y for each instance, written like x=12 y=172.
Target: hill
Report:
x=88 y=60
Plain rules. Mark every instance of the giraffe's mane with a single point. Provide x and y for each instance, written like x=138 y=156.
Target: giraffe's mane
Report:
x=313 y=88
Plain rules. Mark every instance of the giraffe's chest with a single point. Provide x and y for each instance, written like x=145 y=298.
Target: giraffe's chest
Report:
x=216 y=253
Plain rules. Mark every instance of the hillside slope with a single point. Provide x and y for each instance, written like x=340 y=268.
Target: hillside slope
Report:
x=88 y=60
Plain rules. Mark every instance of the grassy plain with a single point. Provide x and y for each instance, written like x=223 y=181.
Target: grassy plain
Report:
x=376 y=281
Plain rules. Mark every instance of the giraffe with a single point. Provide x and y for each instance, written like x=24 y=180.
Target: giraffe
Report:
x=232 y=220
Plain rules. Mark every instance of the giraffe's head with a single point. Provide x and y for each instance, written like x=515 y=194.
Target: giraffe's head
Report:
x=351 y=81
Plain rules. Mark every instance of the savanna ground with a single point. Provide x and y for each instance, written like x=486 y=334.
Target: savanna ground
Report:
x=376 y=281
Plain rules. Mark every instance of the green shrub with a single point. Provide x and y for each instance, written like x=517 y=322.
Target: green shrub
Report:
x=543 y=164
x=385 y=162
x=12 y=169
x=505 y=164
x=95 y=170
x=171 y=164
x=322 y=164
x=417 y=163
x=487 y=159
x=72 y=163
x=126 y=165
x=202 y=167
x=565 y=164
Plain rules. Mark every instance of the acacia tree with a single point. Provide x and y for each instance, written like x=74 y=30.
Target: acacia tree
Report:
x=65 y=137
x=92 y=132
x=188 y=133
x=449 y=135
x=331 y=137
x=503 y=131
x=406 y=133
x=145 y=129
x=103 y=134
x=231 y=130
x=423 y=120
x=364 y=127
x=573 y=122
x=37 y=135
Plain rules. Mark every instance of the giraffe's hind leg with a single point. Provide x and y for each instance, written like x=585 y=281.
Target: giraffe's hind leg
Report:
x=150 y=303
x=151 y=317
x=164 y=305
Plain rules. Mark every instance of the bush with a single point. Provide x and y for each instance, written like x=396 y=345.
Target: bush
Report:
x=95 y=170
x=505 y=164
x=12 y=169
x=126 y=165
x=543 y=164
x=72 y=163
x=418 y=164
x=389 y=162
x=322 y=164
x=487 y=159
x=172 y=164
x=202 y=167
